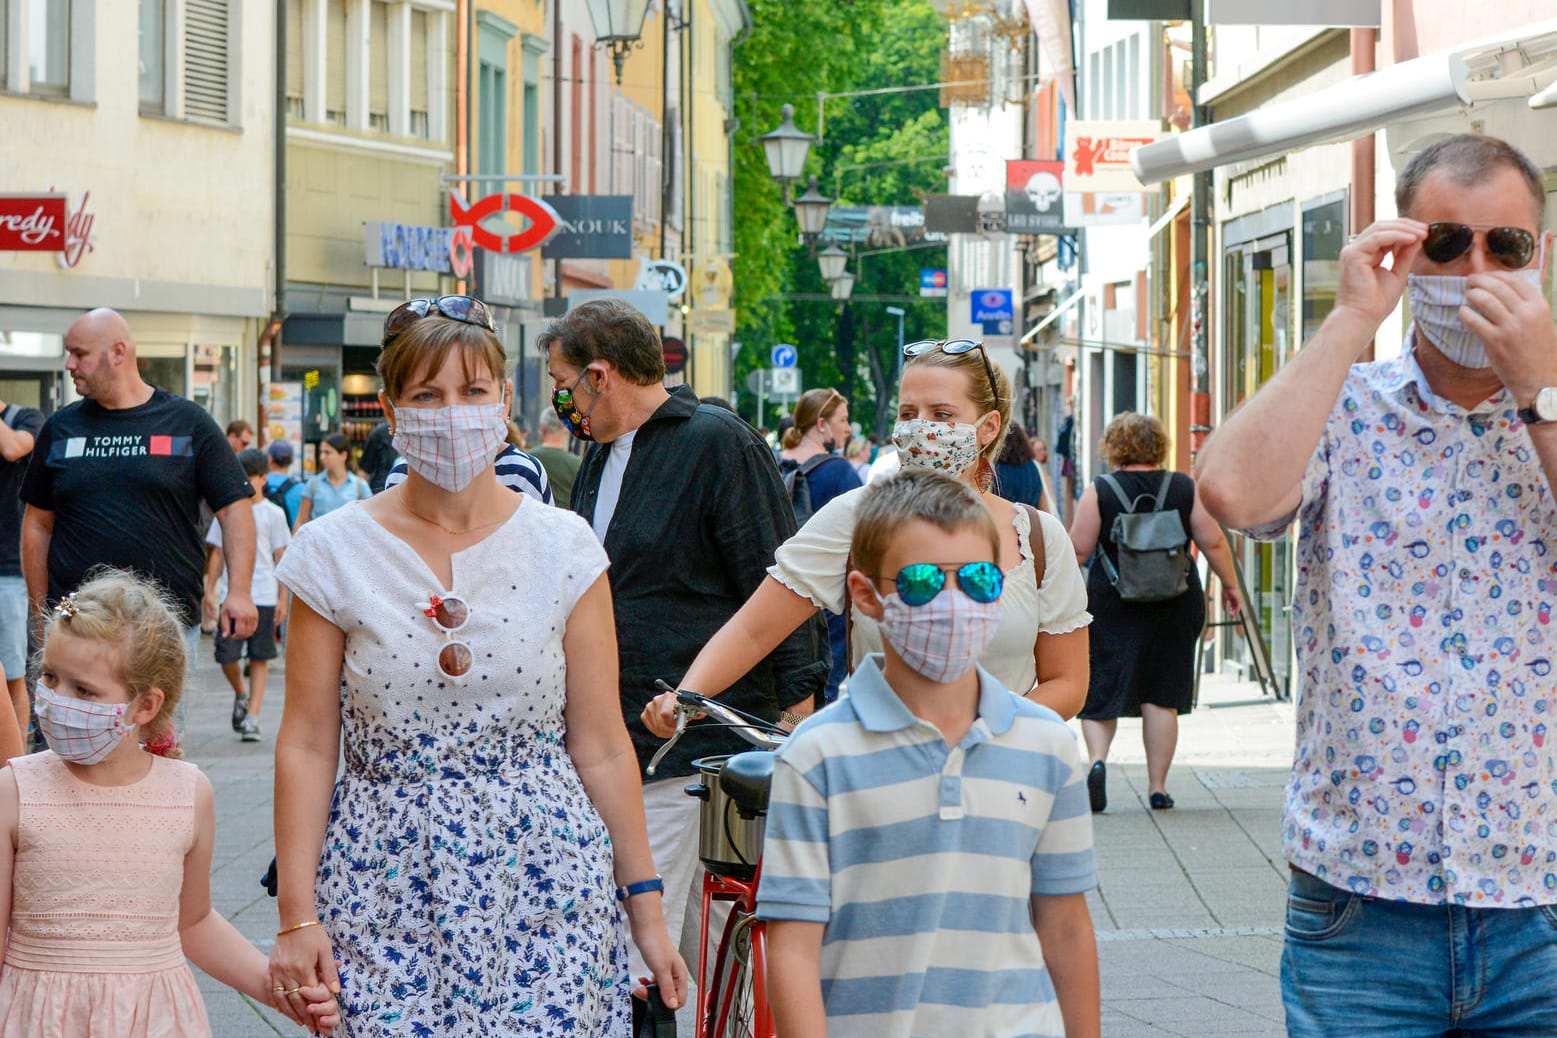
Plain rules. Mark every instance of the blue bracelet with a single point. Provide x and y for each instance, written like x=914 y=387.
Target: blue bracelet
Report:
x=641 y=887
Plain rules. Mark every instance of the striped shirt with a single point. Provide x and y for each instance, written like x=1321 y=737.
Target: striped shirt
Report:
x=520 y=472
x=920 y=859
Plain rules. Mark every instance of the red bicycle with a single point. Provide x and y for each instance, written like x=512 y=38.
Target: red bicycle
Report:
x=731 y=819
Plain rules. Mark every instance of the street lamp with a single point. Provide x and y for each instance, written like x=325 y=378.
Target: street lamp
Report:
x=811 y=211
x=832 y=261
x=618 y=25
x=786 y=147
x=843 y=287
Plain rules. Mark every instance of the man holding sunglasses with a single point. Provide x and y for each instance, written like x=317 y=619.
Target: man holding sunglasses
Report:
x=1420 y=816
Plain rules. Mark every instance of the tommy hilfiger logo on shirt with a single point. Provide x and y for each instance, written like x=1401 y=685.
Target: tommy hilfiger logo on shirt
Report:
x=123 y=447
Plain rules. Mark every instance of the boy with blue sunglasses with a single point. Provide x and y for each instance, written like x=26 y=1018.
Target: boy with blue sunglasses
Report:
x=929 y=841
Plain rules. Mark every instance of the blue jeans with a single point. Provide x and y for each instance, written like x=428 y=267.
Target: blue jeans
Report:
x=13 y=627
x=1364 y=967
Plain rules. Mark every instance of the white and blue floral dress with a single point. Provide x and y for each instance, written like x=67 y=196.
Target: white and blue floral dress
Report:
x=466 y=878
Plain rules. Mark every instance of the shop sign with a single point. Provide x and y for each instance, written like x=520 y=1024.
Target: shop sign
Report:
x=1035 y=191
x=951 y=214
x=932 y=284
x=1104 y=209
x=501 y=279
x=591 y=227
x=1097 y=154
x=711 y=322
x=651 y=304
x=541 y=220
x=666 y=275
x=675 y=353
x=994 y=310
x=44 y=223
x=879 y=226
x=408 y=247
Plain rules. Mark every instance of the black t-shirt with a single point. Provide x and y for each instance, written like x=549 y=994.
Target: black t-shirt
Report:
x=125 y=488
x=27 y=420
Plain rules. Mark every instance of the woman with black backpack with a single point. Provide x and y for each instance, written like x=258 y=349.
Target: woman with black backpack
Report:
x=1144 y=593
x=814 y=474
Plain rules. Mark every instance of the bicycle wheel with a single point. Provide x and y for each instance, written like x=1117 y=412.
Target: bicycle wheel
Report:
x=732 y=1008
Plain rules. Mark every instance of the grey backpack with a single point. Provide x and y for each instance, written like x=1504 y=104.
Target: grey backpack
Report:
x=1153 y=547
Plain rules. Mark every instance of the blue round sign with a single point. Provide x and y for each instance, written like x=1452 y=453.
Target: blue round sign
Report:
x=785 y=355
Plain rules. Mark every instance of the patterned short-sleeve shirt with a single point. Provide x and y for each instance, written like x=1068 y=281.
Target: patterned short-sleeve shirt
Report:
x=1422 y=620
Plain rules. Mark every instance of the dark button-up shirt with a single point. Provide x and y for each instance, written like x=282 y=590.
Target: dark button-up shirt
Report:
x=700 y=512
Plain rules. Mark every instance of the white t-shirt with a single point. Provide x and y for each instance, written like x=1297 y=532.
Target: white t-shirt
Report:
x=611 y=482
x=270 y=535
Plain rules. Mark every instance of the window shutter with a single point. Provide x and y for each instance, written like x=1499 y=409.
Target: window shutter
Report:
x=378 y=65
x=418 y=74
x=335 y=63
x=295 y=57
x=205 y=59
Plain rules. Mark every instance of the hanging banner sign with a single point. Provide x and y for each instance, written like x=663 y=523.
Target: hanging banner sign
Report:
x=1097 y=154
x=44 y=223
x=1035 y=191
x=406 y=246
x=666 y=275
x=591 y=227
x=1104 y=210
x=543 y=221
x=878 y=226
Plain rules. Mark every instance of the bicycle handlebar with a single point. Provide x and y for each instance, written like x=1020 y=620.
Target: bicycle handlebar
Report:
x=690 y=704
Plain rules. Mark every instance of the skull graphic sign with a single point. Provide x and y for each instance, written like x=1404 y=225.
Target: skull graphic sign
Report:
x=1034 y=194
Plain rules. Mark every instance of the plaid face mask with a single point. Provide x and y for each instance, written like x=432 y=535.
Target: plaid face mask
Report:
x=943 y=638
x=79 y=731
x=450 y=446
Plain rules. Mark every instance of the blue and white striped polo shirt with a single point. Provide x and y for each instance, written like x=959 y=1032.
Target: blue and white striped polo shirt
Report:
x=517 y=470
x=920 y=859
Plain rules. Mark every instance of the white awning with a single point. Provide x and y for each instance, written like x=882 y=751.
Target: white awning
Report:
x=1052 y=316
x=1513 y=65
x=1050 y=19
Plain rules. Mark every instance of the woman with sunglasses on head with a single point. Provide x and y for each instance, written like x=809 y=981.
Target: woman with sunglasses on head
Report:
x=486 y=838
x=953 y=407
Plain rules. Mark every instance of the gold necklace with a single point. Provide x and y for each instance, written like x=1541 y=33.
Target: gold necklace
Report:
x=447 y=530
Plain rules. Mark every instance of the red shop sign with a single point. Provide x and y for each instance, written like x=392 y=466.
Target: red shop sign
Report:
x=542 y=220
x=44 y=223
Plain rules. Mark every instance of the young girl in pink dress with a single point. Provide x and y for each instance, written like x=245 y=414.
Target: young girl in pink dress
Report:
x=105 y=843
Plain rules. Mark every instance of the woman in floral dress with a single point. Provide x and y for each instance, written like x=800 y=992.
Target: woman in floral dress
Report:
x=472 y=868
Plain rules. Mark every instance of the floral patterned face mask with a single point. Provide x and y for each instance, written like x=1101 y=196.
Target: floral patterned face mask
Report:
x=949 y=447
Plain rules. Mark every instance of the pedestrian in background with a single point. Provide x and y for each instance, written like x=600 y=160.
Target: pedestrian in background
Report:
x=931 y=748
x=281 y=486
x=688 y=503
x=240 y=435
x=810 y=453
x=471 y=678
x=336 y=486
x=106 y=839
x=377 y=457
x=1017 y=473
x=271 y=538
x=560 y=463
x=19 y=427
x=117 y=479
x=1142 y=653
x=952 y=412
x=1420 y=811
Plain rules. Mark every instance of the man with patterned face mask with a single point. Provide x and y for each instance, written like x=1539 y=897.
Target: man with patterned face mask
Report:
x=688 y=502
x=1419 y=815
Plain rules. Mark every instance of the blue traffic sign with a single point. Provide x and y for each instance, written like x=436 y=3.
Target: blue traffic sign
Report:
x=785 y=355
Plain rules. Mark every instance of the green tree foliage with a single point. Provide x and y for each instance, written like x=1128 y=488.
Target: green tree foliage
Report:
x=880 y=149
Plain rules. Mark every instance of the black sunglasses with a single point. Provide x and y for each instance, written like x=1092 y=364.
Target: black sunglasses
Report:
x=1447 y=241
x=954 y=348
x=465 y=309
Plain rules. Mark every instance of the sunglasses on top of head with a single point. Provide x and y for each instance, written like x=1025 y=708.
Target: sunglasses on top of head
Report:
x=1447 y=241
x=464 y=309
x=955 y=348
x=920 y=582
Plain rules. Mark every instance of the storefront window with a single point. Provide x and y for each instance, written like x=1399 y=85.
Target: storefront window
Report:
x=164 y=373
x=31 y=344
x=1324 y=232
x=214 y=382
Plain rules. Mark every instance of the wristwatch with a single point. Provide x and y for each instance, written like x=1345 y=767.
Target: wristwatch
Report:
x=1542 y=409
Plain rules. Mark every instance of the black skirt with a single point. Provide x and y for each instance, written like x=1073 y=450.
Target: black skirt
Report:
x=1141 y=652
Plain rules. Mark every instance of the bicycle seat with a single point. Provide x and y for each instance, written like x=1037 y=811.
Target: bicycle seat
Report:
x=745 y=779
